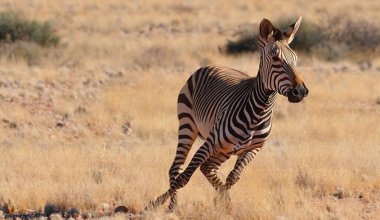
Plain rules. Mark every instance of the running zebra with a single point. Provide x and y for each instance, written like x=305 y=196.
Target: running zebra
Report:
x=232 y=112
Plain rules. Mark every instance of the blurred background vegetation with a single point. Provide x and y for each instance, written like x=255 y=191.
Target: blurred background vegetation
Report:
x=25 y=38
x=15 y=27
x=337 y=38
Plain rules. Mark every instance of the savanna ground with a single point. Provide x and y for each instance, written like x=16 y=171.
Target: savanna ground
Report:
x=93 y=120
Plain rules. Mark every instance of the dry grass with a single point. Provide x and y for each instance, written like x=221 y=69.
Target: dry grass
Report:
x=95 y=120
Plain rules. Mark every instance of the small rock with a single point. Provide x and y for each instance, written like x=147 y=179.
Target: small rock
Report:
x=51 y=209
x=39 y=215
x=4 y=208
x=55 y=216
x=60 y=124
x=330 y=209
x=65 y=116
x=73 y=213
x=121 y=209
x=81 y=110
x=105 y=207
x=112 y=74
x=13 y=125
x=87 y=82
x=338 y=194
x=87 y=215
x=9 y=124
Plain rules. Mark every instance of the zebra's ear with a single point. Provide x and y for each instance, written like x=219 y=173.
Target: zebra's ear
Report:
x=266 y=29
x=293 y=29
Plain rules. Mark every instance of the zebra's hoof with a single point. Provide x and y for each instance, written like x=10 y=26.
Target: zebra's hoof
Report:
x=223 y=203
x=172 y=207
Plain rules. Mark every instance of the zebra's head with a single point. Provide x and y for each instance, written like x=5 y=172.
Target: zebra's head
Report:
x=278 y=61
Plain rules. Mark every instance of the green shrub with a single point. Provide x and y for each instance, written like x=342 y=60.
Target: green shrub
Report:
x=14 y=27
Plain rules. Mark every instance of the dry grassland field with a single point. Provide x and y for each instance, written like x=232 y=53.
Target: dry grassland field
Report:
x=93 y=119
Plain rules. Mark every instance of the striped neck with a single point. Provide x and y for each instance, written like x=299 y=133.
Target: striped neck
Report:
x=260 y=102
x=263 y=96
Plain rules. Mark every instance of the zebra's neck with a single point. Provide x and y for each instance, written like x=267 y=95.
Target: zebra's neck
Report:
x=261 y=101
x=264 y=97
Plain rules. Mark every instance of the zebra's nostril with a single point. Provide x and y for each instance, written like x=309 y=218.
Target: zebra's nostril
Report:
x=295 y=92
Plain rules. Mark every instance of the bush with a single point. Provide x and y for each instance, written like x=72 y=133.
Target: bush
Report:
x=307 y=37
x=245 y=43
x=14 y=27
x=337 y=38
x=359 y=35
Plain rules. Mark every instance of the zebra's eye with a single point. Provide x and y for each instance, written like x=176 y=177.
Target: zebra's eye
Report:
x=274 y=51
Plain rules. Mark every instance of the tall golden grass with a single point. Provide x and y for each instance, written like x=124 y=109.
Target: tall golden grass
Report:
x=95 y=121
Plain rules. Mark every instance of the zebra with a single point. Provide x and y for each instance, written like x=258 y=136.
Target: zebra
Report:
x=232 y=112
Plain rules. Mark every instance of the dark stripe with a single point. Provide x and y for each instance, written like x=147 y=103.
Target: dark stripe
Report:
x=186 y=115
x=200 y=135
x=190 y=86
x=184 y=136
x=183 y=99
x=185 y=126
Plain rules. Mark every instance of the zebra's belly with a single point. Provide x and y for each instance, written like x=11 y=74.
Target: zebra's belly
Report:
x=254 y=143
x=257 y=139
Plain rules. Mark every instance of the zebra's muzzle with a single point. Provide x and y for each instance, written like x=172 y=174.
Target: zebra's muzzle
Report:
x=296 y=94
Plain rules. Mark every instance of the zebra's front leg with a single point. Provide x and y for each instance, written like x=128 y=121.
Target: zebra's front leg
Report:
x=242 y=161
x=210 y=168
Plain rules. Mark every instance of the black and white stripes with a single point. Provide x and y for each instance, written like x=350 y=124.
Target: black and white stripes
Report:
x=232 y=112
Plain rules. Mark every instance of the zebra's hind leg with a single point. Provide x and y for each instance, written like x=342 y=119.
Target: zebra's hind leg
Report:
x=202 y=154
x=187 y=133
